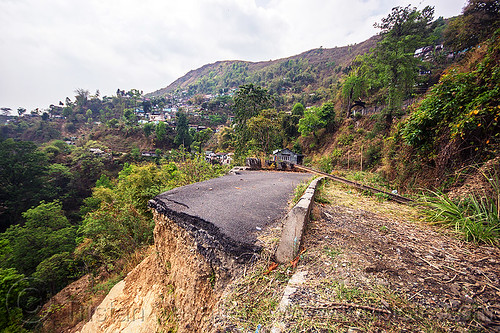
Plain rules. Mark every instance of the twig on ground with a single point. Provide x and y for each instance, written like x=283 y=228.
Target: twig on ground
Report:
x=347 y=305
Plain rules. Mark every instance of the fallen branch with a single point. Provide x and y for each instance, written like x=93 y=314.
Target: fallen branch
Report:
x=347 y=305
x=428 y=263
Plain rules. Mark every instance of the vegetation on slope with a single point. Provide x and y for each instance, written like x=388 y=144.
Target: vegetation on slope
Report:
x=66 y=210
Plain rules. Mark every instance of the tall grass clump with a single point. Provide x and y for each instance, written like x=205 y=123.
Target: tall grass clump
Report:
x=476 y=217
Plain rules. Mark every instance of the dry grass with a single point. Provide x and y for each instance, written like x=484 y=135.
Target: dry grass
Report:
x=372 y=266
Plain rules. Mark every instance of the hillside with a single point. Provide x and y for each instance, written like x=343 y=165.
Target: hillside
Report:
x=304 y=72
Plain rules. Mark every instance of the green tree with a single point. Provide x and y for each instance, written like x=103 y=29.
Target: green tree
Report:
x=226 y=139
x=265 y=129
x=148 y=129
x=404 y=30
x=202 y=137
x=88 y=114
x=183 y=137
x=327 y=114
x=311 y=123
x=12 y=287
x=23 y=171
x=298 y=110
x=248 y=102
x=104 y=181
x=122 y=221
x=45 y=233
x=55 y=272
x=129 y=117
x=290 y=122
x=21 y=111
x=161 y=131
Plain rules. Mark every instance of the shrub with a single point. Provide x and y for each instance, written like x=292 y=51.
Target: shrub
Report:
x=462 y=106
x=345 y=139
x=325 y=164
x=372 y=155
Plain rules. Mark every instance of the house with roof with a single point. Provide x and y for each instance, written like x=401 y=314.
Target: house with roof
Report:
x=288 y=156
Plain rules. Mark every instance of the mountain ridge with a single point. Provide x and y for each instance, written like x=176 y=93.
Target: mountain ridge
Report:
x=312 y=67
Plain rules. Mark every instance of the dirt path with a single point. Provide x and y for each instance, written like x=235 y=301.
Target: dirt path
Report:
x=396 y=273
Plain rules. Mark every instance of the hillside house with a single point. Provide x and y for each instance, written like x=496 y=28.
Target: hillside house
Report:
x=286 y=155
x=155 y=118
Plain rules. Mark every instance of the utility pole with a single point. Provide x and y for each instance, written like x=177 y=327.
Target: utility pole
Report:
x=361 y=157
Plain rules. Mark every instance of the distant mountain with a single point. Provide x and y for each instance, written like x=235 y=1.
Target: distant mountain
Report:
x=297 y=74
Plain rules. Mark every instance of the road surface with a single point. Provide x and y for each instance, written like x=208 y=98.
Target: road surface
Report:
x=232 y=208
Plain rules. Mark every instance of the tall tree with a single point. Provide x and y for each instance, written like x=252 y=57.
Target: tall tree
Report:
x=183 y=136
x=161 y=131
x=311 y=123
x=23 y=170
x=202 y=137
x=45 y=233
x=404 y=30
x=248 y=102
x=479 y=20
x=264 y=129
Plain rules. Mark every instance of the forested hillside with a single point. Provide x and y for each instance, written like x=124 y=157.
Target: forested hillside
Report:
x=307 y=77
x=414 y=109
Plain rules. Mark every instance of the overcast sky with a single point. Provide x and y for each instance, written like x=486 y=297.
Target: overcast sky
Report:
x=49 y=48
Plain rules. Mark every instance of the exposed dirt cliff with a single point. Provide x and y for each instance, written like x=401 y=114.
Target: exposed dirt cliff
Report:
x=174 y=288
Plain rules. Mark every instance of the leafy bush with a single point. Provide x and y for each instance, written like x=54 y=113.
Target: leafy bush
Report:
x=336 y=155
x=325 y=164
x=372 y=155
x=345 y=139
x=462 y=106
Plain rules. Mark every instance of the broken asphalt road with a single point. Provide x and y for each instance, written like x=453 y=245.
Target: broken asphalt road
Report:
x=233 y=208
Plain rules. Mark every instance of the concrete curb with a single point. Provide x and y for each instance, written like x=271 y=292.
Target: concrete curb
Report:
x=294 y=223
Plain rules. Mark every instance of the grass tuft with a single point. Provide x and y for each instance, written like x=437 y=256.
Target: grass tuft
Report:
x=476 y=217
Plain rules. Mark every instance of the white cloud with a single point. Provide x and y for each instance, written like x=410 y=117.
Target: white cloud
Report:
x=52 y=47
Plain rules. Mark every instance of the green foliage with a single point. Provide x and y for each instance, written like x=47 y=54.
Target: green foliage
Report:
x=55 y=272
x=227 y=139
x=462 y=106
x=161 y=131
x=249 y=101
x=45 y=233
x=345 y=139
x=104 y=181
x=299 y=191
x=372 y=155
x=148 y=129
x=118 y=220
x=265 y=130
x=311 y=122
x=202 y=137
x=297 y=148
x=23 y=171
x=479 y=20
x=12 y=287
x=404 y=30
x=325 y=164
x=327 y=114
x=183 y=136
x=298 y=110
x=476 y=217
